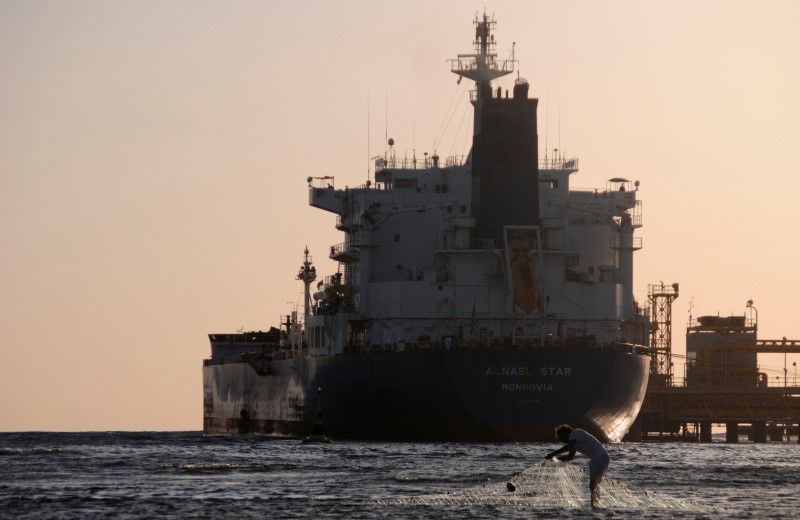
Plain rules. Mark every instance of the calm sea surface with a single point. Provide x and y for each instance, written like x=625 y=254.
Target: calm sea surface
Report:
x=183 y=474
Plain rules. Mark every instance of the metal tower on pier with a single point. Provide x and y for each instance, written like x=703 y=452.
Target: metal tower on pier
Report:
x=661 y=297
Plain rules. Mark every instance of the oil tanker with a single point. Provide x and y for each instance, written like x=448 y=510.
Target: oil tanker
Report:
x=476 y=298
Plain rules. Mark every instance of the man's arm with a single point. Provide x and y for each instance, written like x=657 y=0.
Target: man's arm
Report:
x=570 y=447
x=568 y=456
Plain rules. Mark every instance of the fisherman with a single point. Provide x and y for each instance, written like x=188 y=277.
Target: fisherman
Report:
x=581 y=441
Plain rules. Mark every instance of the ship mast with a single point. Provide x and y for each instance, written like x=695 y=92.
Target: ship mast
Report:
x=307 y=274
x=482 y=67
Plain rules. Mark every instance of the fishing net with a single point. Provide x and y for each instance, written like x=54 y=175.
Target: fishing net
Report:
x=558 y=486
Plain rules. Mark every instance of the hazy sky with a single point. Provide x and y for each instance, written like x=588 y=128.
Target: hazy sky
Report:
x=153 y=158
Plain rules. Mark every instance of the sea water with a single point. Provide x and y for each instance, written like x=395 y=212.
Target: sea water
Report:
x=183 y=474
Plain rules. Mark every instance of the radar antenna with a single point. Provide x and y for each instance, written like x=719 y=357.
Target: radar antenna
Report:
x=482 y=67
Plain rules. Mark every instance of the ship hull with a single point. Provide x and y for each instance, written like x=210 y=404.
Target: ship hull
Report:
x=476 y=395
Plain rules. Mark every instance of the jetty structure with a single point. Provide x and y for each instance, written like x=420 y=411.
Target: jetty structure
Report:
x=720 y=380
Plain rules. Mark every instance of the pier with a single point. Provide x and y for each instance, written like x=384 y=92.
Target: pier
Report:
x=687 y=414
x=722 y=383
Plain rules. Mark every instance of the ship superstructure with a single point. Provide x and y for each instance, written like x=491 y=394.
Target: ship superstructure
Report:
x=477 y=298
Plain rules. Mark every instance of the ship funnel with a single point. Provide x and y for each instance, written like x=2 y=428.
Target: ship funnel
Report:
x=521 y=88
x=505 y=156
x=505 y=177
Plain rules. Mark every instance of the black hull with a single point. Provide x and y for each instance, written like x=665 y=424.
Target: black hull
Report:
x=474 y=395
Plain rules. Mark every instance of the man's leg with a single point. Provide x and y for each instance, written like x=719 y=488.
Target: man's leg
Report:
x=598 y=467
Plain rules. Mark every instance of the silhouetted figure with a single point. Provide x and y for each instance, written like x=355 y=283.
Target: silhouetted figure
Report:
x=581 y=441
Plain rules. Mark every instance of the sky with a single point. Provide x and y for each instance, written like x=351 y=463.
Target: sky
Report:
x=154 y=156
